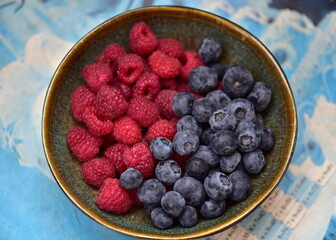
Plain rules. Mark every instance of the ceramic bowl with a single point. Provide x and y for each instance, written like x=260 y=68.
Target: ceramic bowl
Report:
x=189 y=26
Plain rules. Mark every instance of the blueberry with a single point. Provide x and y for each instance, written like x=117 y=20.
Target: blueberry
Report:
x=202 y=110
x=185 y=142
x=161 y=148
x=161 y=219
x=207 y=155
x=168 y=172
x=242 y=109
x=150 y=207
x=220 y=68
x=188 y=122
x=197 y=168
x=248 y=136
x=241 y=186
x=222 y=119
x=151 y=191
x=237 y=82
x=253 y=162
x=189 y=216
x=230 y=162
x=173 y=203
x=212 y=208
x=214 y=170
x=218 y=99
x=182 y=104
x=260 y=96
x=210 y=49
x=206 y=135
x=224 y=142
x=191 y=189
x=131 y=178
x=218 y=186
x=202 y=79
x=267 y=139
x=259 y=122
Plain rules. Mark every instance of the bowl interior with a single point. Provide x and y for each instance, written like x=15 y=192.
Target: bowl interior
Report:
x=189 y=26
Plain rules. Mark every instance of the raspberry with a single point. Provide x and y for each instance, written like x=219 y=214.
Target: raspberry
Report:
x=140 y=158
x=181 y=160
x=161 y=128
x=110 y=54
x=95 y=171
x=168 y=83
x=110 y=103
x=142 y=39
x=148 y=85
x=112 y=197
x=126 y=130
x=96 y=75
x=143 y=110
x=81 y=98
x=83 y=144
x=114 y=154
x=164 y=101
x=126 y=90
x=133 y=193
x=94 y=124
x=189 y=60
x=130 y=68
x=164 y=65
x=171 y=47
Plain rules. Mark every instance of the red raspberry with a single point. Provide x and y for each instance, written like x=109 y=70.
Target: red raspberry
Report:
x=112 y=197
x=161 y=128
x=83 y=144
x=96 y=75
x=164 y=65
x=94 y=124
x=189 y=60
x=171 y=47
x=110 y=103
x=130 y=68
x=143 y=110
x=181 y=160
x=133 y=193
x=142 y=39
x=95 y=171
x=126 y=90
x=126 y=130
x=140 y=158
x=81 y=98
x=114 y=153
x=168 y=83
x=108 y=140
x=148 y=85
x=164 y=101
x=110 y=54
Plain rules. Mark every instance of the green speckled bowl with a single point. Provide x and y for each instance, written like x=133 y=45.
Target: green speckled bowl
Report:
x=189 y=26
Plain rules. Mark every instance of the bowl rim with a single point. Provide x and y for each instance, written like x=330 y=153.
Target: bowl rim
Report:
x=46 y=123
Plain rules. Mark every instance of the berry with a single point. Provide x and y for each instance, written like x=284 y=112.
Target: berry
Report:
x=94 y=124
x=181 y=160
x=224 y=142
x=130 y=68
x=173 y=203
x=185 y=142
x=253 y=162
x=143 y=111
x=148 y=85
x=210 y=49
x=188 y=217
x=182 y=104
x=189 y=61
x=260 y=96
x=220 y=68
x=151 y=192
x=206 y=136
x=242 y=109
x=133 y=193
x=222 y=119
x=81 y=98
x=212 y=208
x=161 y=219
x=112 y=197
x=197 y=168
x=95 y=171
x=125 y=90
x=131 y=178
x=171 y=47
x=97 y=75
x=191 y=189
x=161 y=128
x=110 y=103
x=164 y=65
x=259 y=122
x=202 y=110
x=202 y=79
x=114 y=154
x=218 y=99
x=150 y=207
x=207 y=155
x=164 y=101
x=161 y=148
x=110 y=54
x=267 y=139
x=241 y=186
x=230 y=162
x=248 y=138
x=168 y=172
x=142 y=40
x=168 y=83
x=188 y=122
x=126 y=130
x=218 y=186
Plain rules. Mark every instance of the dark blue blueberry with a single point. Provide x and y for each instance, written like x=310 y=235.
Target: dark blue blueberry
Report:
x=210 y=49
x=173 y=203
x=202 y=79
x=131 y=178
x=267 y=139
x=242 y=109
x=241 y=186
x=214 y=170
x=218 y=99
x=161 y=219
x=185 y=142
x=151 y=191
x=188 y=217
x=259 y=122
x=212 y=208
x=220 y=68
x=206 y=135
x=161 y=148
x=197 y=168
x=182 y=104
x=191 y=189
x=222 y=119
x=260 y=96
x=230 y=162
x=207 y=155
x=150 y=207
x=188 y=122
x=168 y=172
x=248 y=136
x=253 y=162
x=218 y=186
x=224 y=142
x=202 y=110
